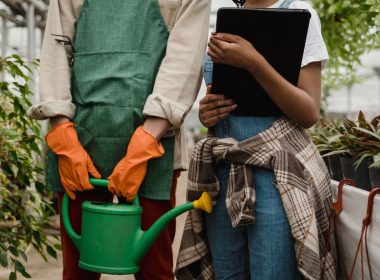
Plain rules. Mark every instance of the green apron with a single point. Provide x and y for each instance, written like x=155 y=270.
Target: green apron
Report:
x=118 y=49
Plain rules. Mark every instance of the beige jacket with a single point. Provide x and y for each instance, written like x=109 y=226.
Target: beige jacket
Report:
x=178 y=79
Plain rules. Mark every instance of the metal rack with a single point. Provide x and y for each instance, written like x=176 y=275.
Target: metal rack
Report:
x=30 y=14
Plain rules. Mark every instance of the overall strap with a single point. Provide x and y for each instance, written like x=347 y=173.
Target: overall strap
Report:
x=286 y=4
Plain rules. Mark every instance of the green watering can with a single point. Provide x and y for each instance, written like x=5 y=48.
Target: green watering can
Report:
x=112 y=240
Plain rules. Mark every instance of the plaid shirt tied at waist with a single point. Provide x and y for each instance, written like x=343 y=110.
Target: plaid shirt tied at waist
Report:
x=302 y=180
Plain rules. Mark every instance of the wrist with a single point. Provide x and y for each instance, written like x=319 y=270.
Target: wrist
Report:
x=62 y=138
x=55 y=121
x=254 y=62
x=157 y=127
x=143 y=142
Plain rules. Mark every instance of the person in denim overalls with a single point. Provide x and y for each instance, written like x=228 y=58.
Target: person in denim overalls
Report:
x=264 y=250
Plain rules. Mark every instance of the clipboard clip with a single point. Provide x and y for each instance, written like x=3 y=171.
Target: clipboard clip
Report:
x=239 y=3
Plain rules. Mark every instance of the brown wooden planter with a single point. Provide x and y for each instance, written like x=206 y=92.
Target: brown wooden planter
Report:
x=360 y=175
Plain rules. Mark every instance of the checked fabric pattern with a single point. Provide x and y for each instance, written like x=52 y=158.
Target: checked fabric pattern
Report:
x=301 y=178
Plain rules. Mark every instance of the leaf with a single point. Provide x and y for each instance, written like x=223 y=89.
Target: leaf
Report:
x=37 y=237
x=12 y=276
x=13 y=250
x=361 y=117
x=338 y=152
x=368 y=132
x=358 y=162
x=334 y=138
x=40 y=186
x=34 y=147
x=51 y=251
x=3 y=260
x=19 y=266
x=25 y=274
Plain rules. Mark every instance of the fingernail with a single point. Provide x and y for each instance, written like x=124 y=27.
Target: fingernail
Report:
x=214 y=33
x=233 y=107
x=230 y=101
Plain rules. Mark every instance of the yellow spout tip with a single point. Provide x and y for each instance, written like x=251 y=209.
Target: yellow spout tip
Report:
x=203 y=203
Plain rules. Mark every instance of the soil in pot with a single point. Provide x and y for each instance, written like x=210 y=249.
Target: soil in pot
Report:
x=335 y=168
x=360 y=175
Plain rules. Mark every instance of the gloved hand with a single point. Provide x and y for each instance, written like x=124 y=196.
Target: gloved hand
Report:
x=74 y=163
x=129 y=173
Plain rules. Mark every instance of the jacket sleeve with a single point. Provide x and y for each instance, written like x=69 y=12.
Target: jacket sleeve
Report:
x=55 y=71
x=179 y=77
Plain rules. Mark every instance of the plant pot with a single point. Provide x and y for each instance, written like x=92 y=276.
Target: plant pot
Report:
x=374 y=175
x=360 y=175
x=326 y=161
x=335 y=168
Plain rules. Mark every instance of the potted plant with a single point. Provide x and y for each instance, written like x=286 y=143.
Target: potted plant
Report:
x=371 y=150
x=24 y=212
x=342 y=143
x=354 y=143
x=326 y=138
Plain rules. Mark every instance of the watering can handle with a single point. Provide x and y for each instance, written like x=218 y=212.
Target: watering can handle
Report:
x=99 y=182
x=75 y=237
x=103 y=183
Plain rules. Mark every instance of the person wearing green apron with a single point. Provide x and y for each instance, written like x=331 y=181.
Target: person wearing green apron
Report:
x=117 y=79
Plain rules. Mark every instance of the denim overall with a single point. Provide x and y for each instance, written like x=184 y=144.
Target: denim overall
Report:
x=261 y=251
x=118 y=50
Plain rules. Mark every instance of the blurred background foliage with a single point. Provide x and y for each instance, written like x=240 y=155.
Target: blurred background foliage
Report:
x=350 y=29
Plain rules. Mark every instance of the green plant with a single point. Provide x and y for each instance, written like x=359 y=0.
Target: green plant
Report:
x=23 y=211
x=329 y=137
x=322 y=135
x=350 y=137
x=350 y=28
x=357 y=139
x=371 y=145
x=376 y=161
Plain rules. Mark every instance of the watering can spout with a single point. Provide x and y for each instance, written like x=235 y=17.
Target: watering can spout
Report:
x=203 y=203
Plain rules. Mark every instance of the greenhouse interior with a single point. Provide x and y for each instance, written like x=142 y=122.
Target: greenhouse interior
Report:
x=346 y=135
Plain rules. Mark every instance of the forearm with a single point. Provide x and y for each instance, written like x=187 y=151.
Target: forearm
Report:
x=55 y=72
x=179 y=76
x=295 y=102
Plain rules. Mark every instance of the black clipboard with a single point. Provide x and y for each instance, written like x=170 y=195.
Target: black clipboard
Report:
x=279 y=35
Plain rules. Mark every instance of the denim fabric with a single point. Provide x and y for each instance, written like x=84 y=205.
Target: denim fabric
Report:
x=207 y=70
x=264 y=250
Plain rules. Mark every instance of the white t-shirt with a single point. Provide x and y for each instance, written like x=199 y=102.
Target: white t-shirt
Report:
x=315 y=47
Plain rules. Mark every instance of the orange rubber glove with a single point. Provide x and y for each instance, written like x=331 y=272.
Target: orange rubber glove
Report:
x=74 y=163
x=129 y=173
